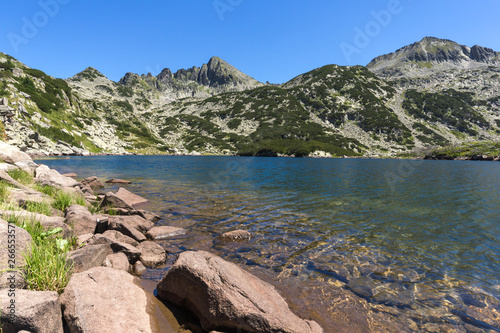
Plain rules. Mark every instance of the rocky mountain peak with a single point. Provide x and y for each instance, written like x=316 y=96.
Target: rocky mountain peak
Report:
x=433 y=54
x=89 y=73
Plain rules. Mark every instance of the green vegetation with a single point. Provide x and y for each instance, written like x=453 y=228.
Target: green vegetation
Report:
x=105 y=89
x=63 y=200
x=125 y=91
x=450 y=107
x=126 y=106
x=4 y=191
x=467 y=150
x=38 y=207
x=21 y=176
x=46 y=268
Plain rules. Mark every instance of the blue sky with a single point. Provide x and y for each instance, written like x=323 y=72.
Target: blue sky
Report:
x=268 y=40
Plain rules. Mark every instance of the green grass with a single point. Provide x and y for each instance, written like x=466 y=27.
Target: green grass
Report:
x=63 y=200
x=39 y=207
x=4 y=191
x=47 y=189
x=21 y=176
x=45 y=267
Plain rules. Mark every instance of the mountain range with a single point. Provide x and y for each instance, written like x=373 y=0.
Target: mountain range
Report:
x=431 y=93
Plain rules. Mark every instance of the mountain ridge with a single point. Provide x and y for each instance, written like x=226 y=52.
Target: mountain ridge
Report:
x=398 y=103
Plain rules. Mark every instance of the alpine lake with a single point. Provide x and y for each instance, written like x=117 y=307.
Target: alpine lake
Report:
x=359 y=245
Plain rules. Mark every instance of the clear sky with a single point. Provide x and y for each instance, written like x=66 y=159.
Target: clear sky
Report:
x=269 y=40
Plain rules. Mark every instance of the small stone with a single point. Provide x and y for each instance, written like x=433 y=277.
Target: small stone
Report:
x=235 y=236
x=163 y=232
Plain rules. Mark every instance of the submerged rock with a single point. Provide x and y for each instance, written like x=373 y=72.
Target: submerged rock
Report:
x=235 y=236
x=224 y=297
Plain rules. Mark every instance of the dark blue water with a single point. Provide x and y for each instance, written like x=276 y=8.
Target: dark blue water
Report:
x=421 y=237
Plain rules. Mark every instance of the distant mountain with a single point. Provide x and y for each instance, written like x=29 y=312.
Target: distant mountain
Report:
x=431 y=55
x=428 y=94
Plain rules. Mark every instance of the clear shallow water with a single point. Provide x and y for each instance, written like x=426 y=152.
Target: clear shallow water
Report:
x=390 y=245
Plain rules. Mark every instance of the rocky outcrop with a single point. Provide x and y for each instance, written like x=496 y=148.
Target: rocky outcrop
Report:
x=225 y=297
x=35 y=311
x=105 y=300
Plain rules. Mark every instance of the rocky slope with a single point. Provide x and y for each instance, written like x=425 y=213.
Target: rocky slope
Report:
x=431 y=93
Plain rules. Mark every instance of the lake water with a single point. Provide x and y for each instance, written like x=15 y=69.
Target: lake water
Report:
x=357 y=245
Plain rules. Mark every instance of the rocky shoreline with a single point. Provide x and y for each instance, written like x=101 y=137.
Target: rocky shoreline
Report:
x=113 y=246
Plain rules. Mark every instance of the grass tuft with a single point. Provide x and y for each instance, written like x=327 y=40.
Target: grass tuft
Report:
x=21 y=176
x=63 y=200
x=46 y=268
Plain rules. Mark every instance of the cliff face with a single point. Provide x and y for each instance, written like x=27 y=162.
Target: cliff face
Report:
x=431 y=93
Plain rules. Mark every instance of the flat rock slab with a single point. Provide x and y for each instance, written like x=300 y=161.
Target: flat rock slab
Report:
x=136 y=221
x=119 y=237
x=127 y=229
x=226 y=298
x=70 y=175
x=118 y=181
x=130 y=198
x=35 y=311
x=105 y=300
x=164 y=232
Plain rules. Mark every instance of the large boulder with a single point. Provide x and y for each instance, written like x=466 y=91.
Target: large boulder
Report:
x=81 y=219
x=225 y=297
x=12 y=251
x=12 y=155
x=47 y=176
x=105 y=300
x=35 y=311
x=152 y=254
